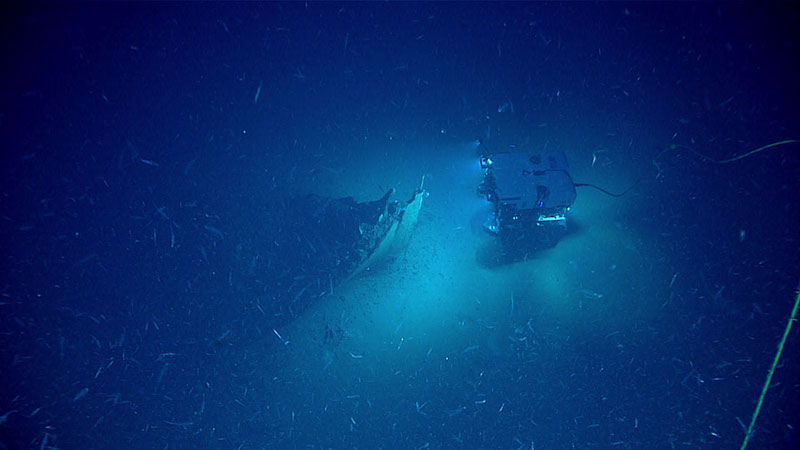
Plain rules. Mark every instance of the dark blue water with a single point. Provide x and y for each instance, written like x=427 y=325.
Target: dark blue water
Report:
x=152 y=155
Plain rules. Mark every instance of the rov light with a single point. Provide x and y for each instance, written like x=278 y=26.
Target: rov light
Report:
x=485 y=162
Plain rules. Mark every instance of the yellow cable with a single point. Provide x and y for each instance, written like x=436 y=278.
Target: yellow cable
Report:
x=749 y=432
x=771 y=371
x=735 y=158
